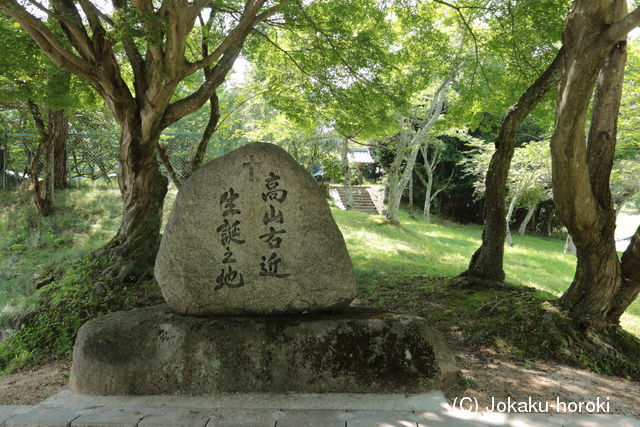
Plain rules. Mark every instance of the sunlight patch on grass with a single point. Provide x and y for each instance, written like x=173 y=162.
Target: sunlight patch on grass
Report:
x=379 y=250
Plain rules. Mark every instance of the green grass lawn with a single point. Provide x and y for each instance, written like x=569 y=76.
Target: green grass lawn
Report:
x=32 y=246
x=383 y=253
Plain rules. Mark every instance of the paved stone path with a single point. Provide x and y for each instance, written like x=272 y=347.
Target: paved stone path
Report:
x=276 y=410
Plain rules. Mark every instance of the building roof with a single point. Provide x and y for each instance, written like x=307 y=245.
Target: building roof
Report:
x=359 y=155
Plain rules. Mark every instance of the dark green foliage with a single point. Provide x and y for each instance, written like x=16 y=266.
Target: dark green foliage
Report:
x=54 y=250
x=49 y=331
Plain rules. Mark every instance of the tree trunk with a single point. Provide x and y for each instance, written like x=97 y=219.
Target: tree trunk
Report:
x=392 y=197
x=430 y=167
x=212 y=125
x=398 y=183
x=427 y=195
x=525 y=221
x=427 y=200
x=348 y=191
x=512 y=206
x=429 y=183
x=630 y=288
x=487 y=262
x=411 y=197
x=133 y=250
x=395 y=192
x=569 y=246
x=60 y=136
x=42 y=189
x=597 y=296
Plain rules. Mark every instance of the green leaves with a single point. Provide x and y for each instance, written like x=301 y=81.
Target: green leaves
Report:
x=27 y=74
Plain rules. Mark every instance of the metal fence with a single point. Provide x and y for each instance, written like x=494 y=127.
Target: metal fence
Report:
x=94 y=155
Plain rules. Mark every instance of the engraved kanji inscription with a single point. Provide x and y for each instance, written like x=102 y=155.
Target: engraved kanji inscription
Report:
x=271 y=237
x=228 y=199
x=272 y=216
x=229 y=278
x=228 y=256
x=229 y=232
x=274 y=192
x=269 y=267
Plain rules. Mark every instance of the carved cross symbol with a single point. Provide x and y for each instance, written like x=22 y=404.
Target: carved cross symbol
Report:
x=251 y=163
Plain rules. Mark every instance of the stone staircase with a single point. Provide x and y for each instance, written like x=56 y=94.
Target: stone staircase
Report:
x=362 y=201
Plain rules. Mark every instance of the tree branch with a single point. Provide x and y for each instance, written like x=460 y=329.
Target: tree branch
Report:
x=71 y=24
x=233 y=44
x=620 y=29
x=50 y=43
x=247 y=21
x=135 y=57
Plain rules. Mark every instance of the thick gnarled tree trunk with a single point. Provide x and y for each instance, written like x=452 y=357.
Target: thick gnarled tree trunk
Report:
x=487 y=262
x=595 y=50
x=133 y=249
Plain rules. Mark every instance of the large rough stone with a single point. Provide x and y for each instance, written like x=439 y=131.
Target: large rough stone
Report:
x=251 y=232
x=157 y=351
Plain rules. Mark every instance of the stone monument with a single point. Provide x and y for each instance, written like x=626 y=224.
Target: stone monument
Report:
x=257 y=281
x=256 y=223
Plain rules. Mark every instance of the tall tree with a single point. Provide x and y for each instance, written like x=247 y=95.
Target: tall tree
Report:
x=155 y=40
x=594 y=54
x=432 y=151
x=412 y=136
x=487 y=262
x=49 y=93
x=519 y=42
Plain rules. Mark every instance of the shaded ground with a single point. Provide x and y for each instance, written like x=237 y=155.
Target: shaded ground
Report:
x=31 y=387
x=490 y=375
x=493 y=364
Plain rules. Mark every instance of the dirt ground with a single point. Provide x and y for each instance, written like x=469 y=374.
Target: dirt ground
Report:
x=487 y=376
x=31 y=387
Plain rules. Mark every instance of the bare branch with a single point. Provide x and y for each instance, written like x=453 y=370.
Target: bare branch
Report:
x=435 y=193
x=227 y=52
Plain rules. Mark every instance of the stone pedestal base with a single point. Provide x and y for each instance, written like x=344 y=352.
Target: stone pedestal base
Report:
x=155 y=351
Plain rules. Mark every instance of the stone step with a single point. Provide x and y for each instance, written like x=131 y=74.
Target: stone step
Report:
x=362 y=201
x=356 y=208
